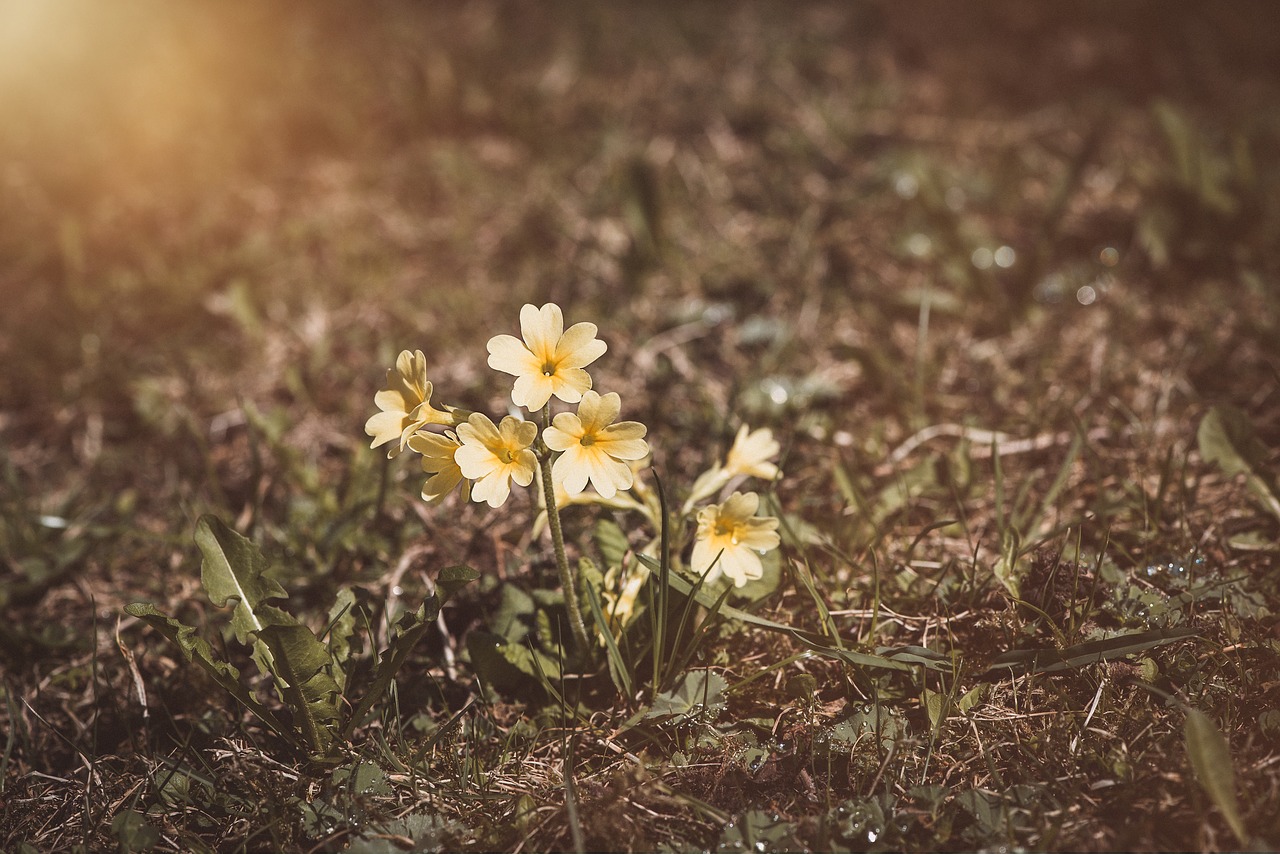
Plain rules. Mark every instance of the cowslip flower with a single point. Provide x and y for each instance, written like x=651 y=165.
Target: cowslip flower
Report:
x=405 y=404
x=437 y=450
x=752 y=454
x=731 y=538
x=550 y=360
x=592 y=447
x=493 y=456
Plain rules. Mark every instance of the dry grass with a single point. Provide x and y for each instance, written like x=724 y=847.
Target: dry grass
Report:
x=789 y=217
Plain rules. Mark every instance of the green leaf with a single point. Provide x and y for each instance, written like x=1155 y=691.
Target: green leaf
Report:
x=233 y=572
x=1211 y=759
x=408 y=631
x=700 y=696
x=1226 y=437
x=342 y=628
x=511 y=668
x=452 y=579
x=820 y=644
x=612 y=542
x=937 y=705
x=515 y=615
x=197 y=650
x=618 y=670
x=134 y=833
x=304 y=666
x=1021 y=661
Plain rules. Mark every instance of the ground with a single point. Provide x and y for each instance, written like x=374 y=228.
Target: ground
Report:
x=999 y=277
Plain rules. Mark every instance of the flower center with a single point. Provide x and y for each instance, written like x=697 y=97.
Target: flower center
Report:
x=727 y=529
x=548 y=368
x=587 y=440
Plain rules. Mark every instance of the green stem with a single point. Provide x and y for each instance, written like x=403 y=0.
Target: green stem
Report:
x=568 y=580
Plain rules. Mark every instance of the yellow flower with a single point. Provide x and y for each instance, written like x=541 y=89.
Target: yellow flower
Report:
x=593 y=447
x=438 y=461
x=749 y=457
x=731 y=539
x=495 y=456
x=751 y=454
x=405 y=404
x=550 y=359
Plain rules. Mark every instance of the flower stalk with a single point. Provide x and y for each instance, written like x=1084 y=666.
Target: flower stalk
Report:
x=568 y=579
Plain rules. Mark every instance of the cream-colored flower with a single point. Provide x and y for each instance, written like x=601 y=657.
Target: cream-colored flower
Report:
x=405 y=404
x=731 y=538
x=494 y=456
x=592 y=447
x=438 y=451
x=749 y=457
x=752 y=453
x=550 y=360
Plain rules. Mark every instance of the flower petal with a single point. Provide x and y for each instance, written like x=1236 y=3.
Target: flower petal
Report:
x=579 y=346
x=533 y=390
x=568 y=384
x=509 y=355
x=541 y=329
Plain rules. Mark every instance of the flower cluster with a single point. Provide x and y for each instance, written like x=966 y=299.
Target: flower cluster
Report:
x=589 y=455
x=486 y=458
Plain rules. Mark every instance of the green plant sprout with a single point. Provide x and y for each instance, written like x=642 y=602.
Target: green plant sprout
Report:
x=310 y=672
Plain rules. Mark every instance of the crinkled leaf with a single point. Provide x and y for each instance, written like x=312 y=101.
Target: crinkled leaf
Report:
x=515 y=614
x=1211 y=759
x=452 y=579
x=196 y=649
x=233 y=572
x=134 y=833
x=699 y=696
x=612 y=542
x=1227 y=438
x=304 y=666
x=758 y=830
x=342 y=628
x=511 y=668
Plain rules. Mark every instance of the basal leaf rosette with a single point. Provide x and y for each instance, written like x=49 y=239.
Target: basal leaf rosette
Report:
x=730 y=539
x=550 y=360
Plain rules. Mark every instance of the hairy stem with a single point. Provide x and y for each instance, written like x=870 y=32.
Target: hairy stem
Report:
x=568 y=579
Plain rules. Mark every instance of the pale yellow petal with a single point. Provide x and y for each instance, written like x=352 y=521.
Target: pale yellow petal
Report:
x=579 y=347
x=571 y=470
x=541 y=329
x=492 y=489
x=565 y=431
x=598 y=411
x=742 y=565
x=703 y=561
x=384 y=427
x=509 y=355
x=568 y=384
x=479 y=429
x=533 y=390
